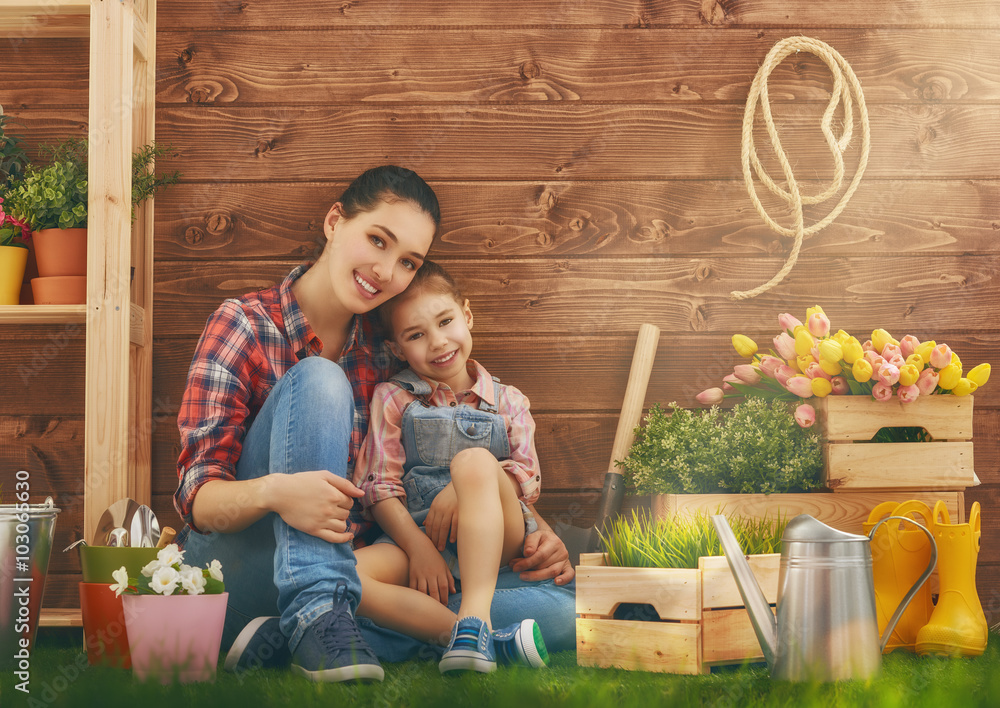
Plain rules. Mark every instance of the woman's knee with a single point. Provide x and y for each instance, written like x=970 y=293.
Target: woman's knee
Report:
x=322 y=380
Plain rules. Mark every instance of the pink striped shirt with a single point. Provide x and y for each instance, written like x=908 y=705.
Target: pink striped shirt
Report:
x=379 y=469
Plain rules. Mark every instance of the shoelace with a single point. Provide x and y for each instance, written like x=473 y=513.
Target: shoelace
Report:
x=341 y=633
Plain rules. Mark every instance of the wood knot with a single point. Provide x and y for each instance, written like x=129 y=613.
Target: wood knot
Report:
x=529 y=70
x=543 y=239
x=699 y=322
x=194 y=236
x=577 y=224
x=345 y=7
x=218 y=224
x=199 y=94
x=263 y=147
x=490 y=243
x=504 y=282
x=185 y=56
x=702 y=272
x=996 y=226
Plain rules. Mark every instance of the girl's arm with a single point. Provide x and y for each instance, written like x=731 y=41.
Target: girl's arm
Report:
x=523 y=461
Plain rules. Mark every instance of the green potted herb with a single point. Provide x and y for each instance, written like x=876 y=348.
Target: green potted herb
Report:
x=52 y=199
x=13 y=250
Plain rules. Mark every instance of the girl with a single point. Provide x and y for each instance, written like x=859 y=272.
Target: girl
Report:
x=450 y=446
x=273 y=415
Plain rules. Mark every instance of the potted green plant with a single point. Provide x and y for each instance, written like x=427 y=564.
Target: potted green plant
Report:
x=52 y=199
x=13 y=250
x=661 y=596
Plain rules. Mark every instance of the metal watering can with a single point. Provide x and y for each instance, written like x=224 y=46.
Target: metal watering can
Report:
x=826 y=627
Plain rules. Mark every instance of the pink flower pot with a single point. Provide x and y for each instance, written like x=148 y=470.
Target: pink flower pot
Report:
x=175 y=636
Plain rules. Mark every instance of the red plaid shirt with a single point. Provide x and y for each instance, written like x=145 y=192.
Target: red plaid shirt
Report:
x=248 y=344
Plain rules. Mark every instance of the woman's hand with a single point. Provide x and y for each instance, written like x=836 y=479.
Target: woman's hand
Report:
x=317 y=502
x=429 y=573
x=441 y=524
x=545 y=556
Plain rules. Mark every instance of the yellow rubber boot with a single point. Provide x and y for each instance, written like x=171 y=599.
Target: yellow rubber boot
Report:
x=900 y=554
x=957 y=626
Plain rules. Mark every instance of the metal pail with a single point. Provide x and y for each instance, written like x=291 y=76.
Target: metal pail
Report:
x=26 y=533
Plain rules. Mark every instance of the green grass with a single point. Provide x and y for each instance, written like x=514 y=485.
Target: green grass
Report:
x=906 y=681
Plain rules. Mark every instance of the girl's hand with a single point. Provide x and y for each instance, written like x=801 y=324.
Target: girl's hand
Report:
x=316 y=502
x=441 y=524
x=429 y=573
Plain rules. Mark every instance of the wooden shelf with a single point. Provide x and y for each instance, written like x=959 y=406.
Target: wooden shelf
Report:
x=60 y=617
x=44 y=18
x=43 y=314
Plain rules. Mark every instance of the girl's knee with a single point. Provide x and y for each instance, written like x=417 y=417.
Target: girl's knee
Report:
x=474 y=464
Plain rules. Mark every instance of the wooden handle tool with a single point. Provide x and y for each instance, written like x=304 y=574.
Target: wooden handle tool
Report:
x=167 y=536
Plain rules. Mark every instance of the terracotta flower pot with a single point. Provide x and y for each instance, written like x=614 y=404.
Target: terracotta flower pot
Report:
x=60 y=252
x=12 y=262
x=60 y=290
x=104 y=628
x=175 y=636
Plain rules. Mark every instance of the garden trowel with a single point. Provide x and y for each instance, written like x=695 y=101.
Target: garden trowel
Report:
x=580 y=540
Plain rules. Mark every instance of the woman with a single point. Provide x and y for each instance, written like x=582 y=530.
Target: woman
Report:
x=273 y=415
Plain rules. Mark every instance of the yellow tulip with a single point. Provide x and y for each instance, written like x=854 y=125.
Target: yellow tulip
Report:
x=949 y=376
x=813 y=310
x=794 y=364
x=862 y=370
x=821 y=387
x=744 y=346
x=964 y=387
x=916 y=361
x=830 y=351
x=979 y=374
x=804 y=341
x=955 y=359
x=841 y=336
x=802 y=362
x=852 y=350
x=880 y=338
x=908 y=374
x=830 y=367
x=925 y=349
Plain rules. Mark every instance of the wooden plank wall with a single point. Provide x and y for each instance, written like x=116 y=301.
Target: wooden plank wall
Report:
x=586 y=155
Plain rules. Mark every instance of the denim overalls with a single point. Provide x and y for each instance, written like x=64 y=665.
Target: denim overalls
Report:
x=433 y=435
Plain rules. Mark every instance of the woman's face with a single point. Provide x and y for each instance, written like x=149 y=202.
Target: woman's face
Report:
x=374 y=255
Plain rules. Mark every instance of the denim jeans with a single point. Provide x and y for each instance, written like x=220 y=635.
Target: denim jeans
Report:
x=271 y=568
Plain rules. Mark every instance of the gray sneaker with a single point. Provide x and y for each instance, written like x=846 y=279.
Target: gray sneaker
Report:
x=332 y=648
x=259 y=645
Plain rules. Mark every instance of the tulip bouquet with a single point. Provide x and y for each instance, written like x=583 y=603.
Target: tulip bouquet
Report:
x=808 y=360
x=168 y=574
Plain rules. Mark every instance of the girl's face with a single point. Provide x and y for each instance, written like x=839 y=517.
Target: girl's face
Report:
x=374 y=255
x=432 y=334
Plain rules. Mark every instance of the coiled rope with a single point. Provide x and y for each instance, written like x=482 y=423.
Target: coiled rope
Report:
x=846 y=90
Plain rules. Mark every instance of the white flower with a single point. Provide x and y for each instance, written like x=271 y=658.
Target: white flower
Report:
x=164 y=580
x=192 y=580
x=170 y=555
x=215 y=570
x=151 y=568
x=121 y=578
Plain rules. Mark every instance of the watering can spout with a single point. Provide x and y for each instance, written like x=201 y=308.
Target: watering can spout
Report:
x=765 y=624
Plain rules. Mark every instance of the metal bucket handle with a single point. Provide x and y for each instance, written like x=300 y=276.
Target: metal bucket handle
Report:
x=887 y=632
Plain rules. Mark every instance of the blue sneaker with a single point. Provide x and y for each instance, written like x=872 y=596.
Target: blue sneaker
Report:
x=260 y=645
x=521 y=644
x=470 y=648
x=332 y=648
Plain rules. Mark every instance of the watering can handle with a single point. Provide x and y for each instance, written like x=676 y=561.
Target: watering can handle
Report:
x=887 y=633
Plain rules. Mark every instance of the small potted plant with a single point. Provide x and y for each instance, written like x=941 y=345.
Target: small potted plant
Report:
x=52 y=199
x=661 y=597
x=13 y=250
x=174 y=615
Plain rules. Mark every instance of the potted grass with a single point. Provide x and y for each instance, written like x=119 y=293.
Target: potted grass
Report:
x=13 y=249
x=52 y=200
x=661 y=597
x=174 y=615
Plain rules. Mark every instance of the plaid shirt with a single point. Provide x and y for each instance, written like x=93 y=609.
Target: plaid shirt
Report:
x=248 y=344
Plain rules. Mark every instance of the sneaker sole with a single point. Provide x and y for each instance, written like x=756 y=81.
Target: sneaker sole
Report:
x=456 y=661
x=536 y=658
x=241 y=643
x=358 y=672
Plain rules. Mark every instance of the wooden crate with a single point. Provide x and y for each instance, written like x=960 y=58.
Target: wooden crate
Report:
x=852 y=462
x=846 y=510
x=704 y=621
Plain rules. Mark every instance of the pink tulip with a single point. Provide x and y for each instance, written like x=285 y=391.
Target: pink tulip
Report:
x=769 y=365
x=784 y=344
x=897 y=361
x=908 y=345
x=890 y=350
x=800 y=386
x=784 y=373
x=927 y=382
x=710 y=396
x=805 y=415
x=747 y=373
x=819 y=324
x=788 y=322
x=940 y=356
x=814 y=353
x=874 y=359
x=814 y=371
x=840 y=386
x=881 y=392
x=727 y=381
x=887 y=374
x=868 y=346
x=908 y=394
